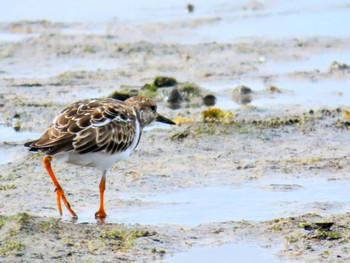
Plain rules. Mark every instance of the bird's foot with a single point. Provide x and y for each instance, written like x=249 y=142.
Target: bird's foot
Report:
x=100 y=214
x=60 y=196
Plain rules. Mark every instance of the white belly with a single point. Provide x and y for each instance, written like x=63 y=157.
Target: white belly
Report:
x=99 y=160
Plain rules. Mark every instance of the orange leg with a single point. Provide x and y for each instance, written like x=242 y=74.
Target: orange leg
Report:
x=59 y=191
x=101 y=213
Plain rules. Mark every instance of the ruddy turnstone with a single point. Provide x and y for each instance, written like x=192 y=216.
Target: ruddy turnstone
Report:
x=95 y=133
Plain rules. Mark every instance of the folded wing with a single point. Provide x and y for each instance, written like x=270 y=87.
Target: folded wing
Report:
x=89 y=126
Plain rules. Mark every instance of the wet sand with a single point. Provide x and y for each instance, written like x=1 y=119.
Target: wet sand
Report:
x=271 y=180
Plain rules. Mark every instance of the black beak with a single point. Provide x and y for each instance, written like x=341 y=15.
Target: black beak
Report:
x=162 y=119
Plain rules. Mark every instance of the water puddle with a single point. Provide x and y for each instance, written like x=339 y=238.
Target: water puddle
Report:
x=9 y=135
x=226 y=103
x=11 y=147
x=45 y=68
x=325 y=93
x=312 y=62
x=251 y=201
x=298 y=24
x=243 y=251
x=94 y=11
x=236 y=20
x=11 y=153
x=13 y=37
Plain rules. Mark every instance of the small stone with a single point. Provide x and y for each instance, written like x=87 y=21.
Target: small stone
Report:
x=174 y=100
x=209 y=100
x=162 y=81
x=336 y=66
x=273 y=89
x=16 y=122
x=190 y=8
x=324 y=225
x=119 y=96
x=242 y=94
x=261 y=59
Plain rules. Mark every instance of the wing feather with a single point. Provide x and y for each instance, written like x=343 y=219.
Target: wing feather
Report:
x=89 y=126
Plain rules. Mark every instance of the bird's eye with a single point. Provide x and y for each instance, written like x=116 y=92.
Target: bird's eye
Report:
x=153 y=108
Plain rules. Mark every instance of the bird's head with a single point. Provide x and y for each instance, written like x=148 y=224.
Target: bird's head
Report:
x=147 y=110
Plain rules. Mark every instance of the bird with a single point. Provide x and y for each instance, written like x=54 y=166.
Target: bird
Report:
x=95 y=133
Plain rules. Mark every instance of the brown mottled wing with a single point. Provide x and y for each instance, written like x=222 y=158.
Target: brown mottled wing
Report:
x=89 y=126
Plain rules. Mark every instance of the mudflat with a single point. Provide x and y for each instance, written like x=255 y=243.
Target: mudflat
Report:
x=266 y=169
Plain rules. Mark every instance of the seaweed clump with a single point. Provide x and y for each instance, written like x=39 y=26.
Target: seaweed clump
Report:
x=216 y=115
x=320 y=230
x=190 y=90
x=181 y=120
x=181 y=135
x=151 y=89
x=277 y=122
x=344 y=121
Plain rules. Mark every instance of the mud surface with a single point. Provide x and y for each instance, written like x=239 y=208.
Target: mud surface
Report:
x=267 y=175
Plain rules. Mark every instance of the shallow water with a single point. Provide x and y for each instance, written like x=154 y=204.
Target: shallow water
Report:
x=243 y=251
x=252 y=201
x=328 y=23
x=325 y=93
x=50 y=67
x=12 y=37
x=95 y=11
x=317 y=61
x=9 y=154
x=237 y=20
x=8 y=135
x=303 y=93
